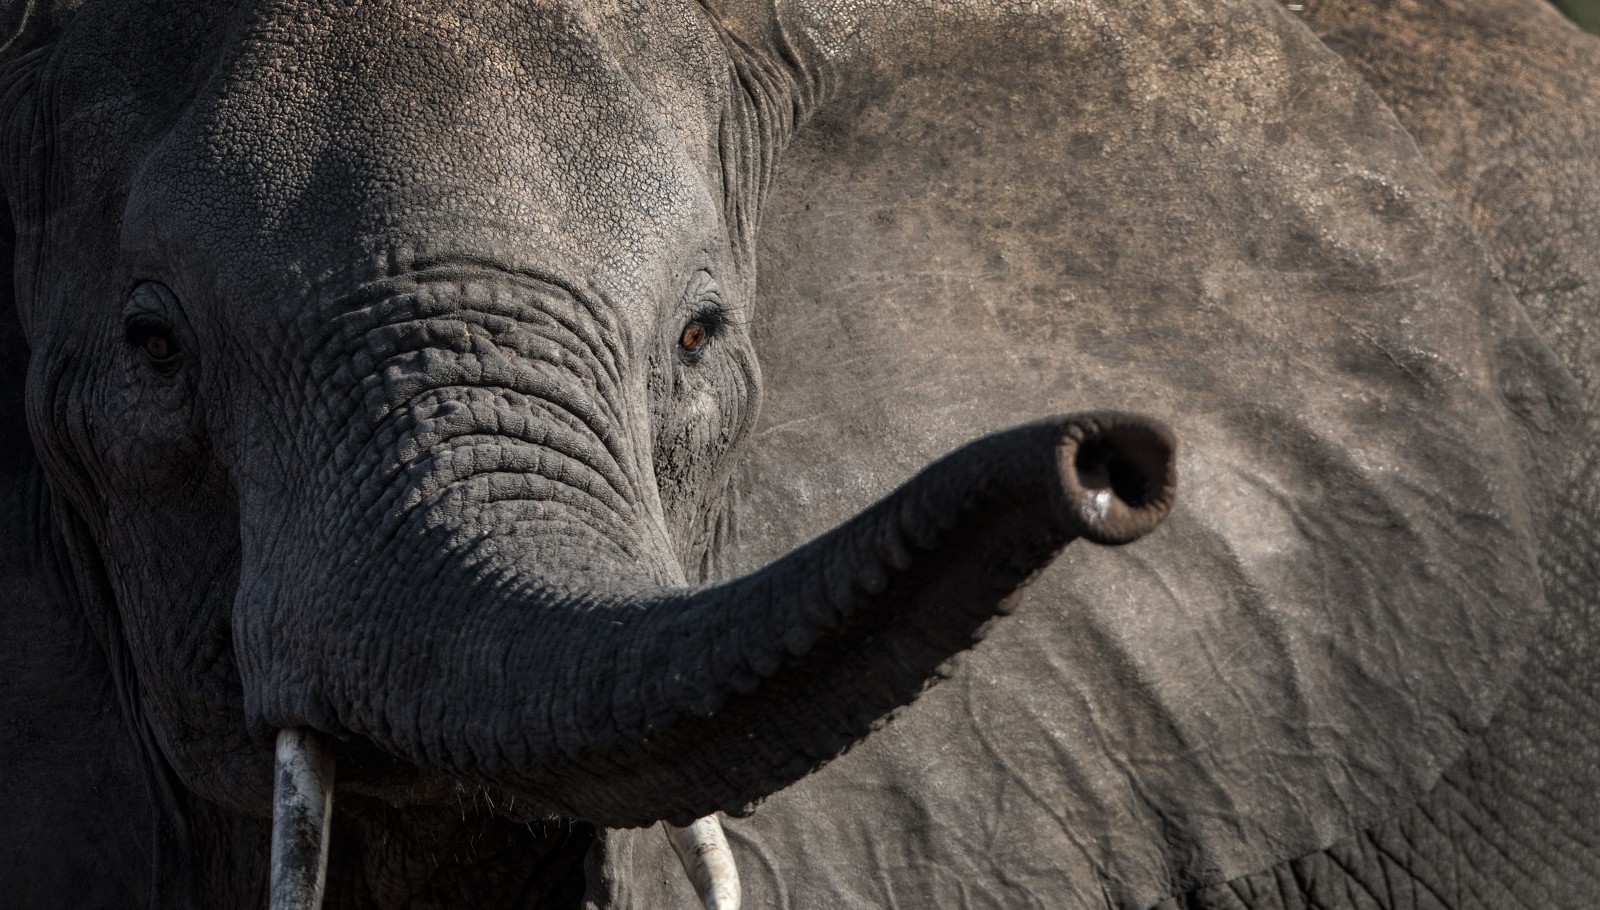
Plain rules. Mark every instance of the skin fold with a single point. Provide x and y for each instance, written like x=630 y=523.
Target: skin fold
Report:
x=472 y=383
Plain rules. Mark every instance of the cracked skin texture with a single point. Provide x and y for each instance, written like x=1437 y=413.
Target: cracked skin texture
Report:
x=1197 y=211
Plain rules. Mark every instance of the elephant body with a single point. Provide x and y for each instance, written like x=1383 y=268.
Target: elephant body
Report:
x=1350 y=252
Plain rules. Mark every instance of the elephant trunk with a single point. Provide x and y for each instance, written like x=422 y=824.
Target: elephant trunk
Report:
x=626 y=703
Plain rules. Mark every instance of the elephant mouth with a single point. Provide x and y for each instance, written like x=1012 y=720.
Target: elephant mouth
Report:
x=716 y=697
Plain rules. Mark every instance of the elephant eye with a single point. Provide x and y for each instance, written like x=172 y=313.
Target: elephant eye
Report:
x=693 y=340
x=152 y=335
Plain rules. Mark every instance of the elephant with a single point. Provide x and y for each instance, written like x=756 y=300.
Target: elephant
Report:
x=541 y=412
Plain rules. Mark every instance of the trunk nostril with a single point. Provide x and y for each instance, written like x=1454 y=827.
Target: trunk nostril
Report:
x=1100 y=467
x=1120 y=476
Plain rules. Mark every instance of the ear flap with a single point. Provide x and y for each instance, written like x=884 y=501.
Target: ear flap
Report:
x=1200 y=213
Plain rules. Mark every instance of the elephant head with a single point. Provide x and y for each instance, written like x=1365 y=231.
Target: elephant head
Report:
x=391 y=364
x=388 y=377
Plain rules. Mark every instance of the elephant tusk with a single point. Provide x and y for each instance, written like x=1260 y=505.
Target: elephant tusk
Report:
x=703 y=850
x=302 y=808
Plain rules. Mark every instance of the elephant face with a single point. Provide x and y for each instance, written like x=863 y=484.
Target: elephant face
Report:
x=389 y=373
x=479 y=264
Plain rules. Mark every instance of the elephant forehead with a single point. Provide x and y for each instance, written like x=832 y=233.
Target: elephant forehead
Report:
x=514 y=136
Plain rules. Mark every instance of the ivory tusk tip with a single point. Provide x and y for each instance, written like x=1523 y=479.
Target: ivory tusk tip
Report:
x=302 y=810
x=703 y=850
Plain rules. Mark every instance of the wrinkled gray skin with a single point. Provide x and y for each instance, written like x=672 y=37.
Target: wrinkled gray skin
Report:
x=427 y=265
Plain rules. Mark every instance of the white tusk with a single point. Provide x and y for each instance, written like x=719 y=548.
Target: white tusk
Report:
x=703 y=850
x=302 y=808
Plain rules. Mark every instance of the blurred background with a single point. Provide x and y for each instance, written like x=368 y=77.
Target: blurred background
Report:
x=1584 y=12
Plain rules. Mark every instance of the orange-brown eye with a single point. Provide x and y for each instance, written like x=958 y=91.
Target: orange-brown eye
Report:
x=158 y=346
x=693 y=339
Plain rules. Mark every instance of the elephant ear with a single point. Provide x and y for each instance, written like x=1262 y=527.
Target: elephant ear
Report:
x=74 y=798
x=1198 y=212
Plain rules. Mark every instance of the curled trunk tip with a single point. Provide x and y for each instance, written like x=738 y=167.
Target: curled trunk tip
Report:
x=1119 y=473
